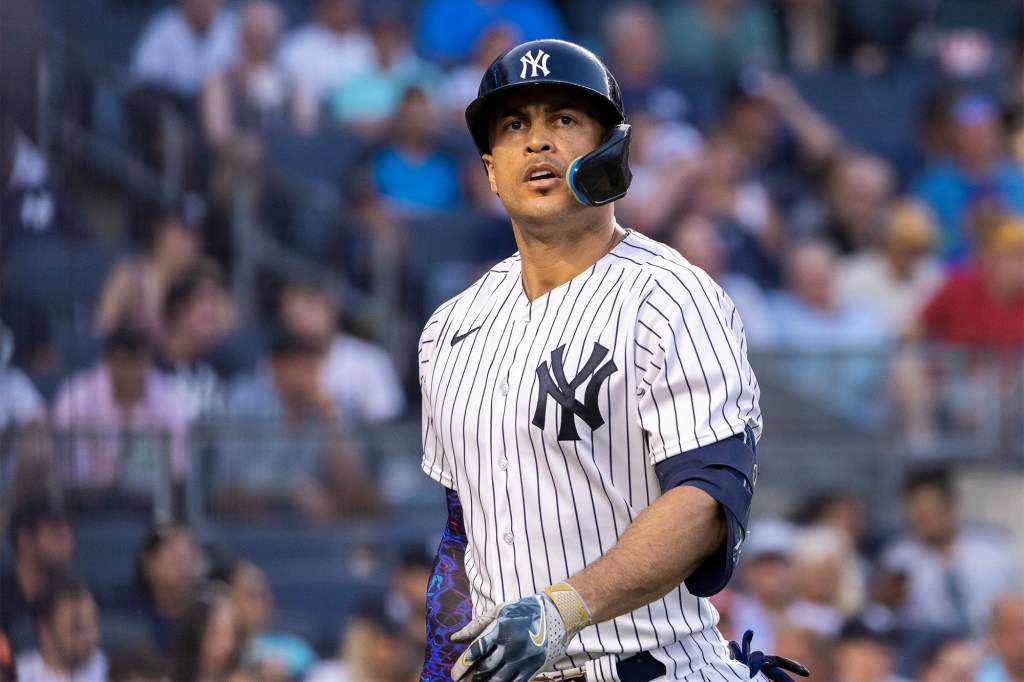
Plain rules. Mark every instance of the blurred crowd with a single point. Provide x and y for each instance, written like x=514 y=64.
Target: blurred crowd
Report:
x=851 y=172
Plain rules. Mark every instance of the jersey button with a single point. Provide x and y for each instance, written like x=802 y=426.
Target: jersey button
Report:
x=503 y=389
x=509 y=538
x=503 y=463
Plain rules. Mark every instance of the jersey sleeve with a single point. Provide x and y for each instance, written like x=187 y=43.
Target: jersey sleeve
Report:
x=434 y=463
x=695 y=386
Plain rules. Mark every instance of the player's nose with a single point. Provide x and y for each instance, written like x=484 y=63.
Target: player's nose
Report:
x=539 y=139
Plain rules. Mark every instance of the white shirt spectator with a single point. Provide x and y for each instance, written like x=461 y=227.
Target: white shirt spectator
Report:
x=362 y=381
x=866 y=279
x=20 y=402
x=318 y=59
x=171 y=54
x=943 y=591
x=31 y=668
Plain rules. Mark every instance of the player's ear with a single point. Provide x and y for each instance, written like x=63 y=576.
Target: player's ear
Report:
x=489 y=165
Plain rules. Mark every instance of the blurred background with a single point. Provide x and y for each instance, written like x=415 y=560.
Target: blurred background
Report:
x=222 y=225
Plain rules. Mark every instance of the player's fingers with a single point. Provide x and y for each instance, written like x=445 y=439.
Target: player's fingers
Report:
x=786 y=664
x=473 y=630
x=471 y=659
x=510 y=673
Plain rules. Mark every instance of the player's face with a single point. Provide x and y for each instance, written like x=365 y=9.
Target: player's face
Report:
x=535 y=135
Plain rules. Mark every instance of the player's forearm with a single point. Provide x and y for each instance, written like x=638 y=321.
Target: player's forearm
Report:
x=659 y=550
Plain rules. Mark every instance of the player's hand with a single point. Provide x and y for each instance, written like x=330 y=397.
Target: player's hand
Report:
x=773 y=667
x=518 y=639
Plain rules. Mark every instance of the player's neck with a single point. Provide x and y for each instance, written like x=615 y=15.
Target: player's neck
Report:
x=550 y=259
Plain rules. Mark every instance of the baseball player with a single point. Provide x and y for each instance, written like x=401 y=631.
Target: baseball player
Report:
x=589 y=407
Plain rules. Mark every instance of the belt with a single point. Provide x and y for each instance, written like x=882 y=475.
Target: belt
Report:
x=639 y=668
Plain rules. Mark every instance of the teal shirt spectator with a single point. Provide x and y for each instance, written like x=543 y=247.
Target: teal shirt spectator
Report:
x=950 y=193
x=692 y=46
x=417 y=183
x=374 y=94
x=448 y=29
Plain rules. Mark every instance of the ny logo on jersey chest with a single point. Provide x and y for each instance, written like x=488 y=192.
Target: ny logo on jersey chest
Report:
x=552 y=382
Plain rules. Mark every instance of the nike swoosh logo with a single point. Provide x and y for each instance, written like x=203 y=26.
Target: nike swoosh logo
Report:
x=459 y=337
x=538 y=639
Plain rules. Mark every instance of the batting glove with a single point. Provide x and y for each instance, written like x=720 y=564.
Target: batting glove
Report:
x=773 y=667
x=518 y=639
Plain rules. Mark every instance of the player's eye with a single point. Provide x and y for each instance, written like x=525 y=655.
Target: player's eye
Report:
x=565 y=120
x=514 y=125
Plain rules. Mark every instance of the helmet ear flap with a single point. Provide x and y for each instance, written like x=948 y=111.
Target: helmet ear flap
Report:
x=603 y=175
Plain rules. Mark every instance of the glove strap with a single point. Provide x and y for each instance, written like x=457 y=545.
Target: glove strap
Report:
x=571 y=607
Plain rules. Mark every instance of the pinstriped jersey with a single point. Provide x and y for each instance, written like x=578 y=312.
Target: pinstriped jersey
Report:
x=548 y=417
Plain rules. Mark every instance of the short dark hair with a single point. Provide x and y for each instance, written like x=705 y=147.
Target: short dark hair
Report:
x=66 y=588
x=32 y=512
x=185 y=288
x=938 y=478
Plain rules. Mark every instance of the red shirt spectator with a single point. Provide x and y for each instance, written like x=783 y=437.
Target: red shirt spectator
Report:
x=984 y=305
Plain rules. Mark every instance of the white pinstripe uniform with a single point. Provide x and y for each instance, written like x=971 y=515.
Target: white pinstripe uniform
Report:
x=648 y=358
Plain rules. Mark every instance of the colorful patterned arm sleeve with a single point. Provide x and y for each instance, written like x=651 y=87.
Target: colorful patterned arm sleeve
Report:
x=448 y=603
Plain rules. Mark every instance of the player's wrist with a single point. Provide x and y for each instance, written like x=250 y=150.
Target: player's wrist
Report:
x=573 y=610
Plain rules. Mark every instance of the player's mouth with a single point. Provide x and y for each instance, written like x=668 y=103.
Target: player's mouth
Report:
x=542 y=176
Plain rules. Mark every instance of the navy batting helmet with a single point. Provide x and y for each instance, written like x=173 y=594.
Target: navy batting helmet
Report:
x=543 y=62
x=597 y=178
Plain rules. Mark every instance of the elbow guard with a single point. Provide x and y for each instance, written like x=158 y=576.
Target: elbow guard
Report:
x=727 y=471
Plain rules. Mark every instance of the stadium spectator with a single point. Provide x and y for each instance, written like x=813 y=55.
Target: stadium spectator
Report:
x=406 y=599
x=367 y=102
x=412 y=172
x=183 y=45
x=786 y=141
x=240 y=105
x=134 y=291
x=977 y=171
x=817 y=650
x=374 y=648
x=767 y=580
x=332 y=48
x=835 y=343
x=954 y=573
x=42 y=545
x=1004 y=661
x=949 y=658
x=858 y=190
x=25 y=461
x=168 y=568
x=829 y=584
x=718 y=37
x=696 y=237
x=897 y=276
x=983 y=305
x=865 y=652
x=124 y=422
x=272 y=656
x=747 y=215
x=449 y=29
x=634 y=49
x=67 y=623
x=358 y=375
x=206 y=642
x=197 y=314
x=307 y=460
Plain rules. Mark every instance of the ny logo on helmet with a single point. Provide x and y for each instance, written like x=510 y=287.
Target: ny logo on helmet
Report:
x=539 y=62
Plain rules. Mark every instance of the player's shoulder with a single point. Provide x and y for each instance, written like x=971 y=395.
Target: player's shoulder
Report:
x=457 y=307
x=663 y=267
